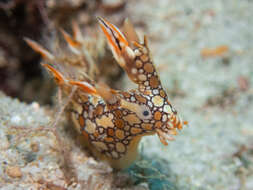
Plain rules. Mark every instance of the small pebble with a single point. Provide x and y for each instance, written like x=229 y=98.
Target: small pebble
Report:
x=35 y=147
x=14 y=171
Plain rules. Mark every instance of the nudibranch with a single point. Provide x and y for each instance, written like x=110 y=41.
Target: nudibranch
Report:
x=112 y=122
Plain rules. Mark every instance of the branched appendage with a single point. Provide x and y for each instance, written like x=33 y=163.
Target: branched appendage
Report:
x=113 y=122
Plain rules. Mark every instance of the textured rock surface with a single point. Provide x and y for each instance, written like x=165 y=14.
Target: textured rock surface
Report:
x=34 y=156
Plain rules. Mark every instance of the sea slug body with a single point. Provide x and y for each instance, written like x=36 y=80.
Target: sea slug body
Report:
x=113 y=122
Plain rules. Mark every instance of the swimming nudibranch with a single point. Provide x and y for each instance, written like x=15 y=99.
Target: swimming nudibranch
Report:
x=113 y=122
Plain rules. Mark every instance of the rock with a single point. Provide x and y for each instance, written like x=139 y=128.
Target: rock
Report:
x=14 y=172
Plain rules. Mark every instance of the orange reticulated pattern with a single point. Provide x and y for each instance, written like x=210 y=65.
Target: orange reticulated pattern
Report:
x=112 y=122
x=112 y=135
x=111 y=131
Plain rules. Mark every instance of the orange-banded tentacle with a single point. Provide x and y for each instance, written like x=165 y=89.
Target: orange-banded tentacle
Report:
x=121 y=50
x=74 y=45
x=111 y=29
x=38 y=48
x=57 y=75
x=108 y=94
x=85 y=86
x=109 y=33
x=117 y=42
x=136 y=62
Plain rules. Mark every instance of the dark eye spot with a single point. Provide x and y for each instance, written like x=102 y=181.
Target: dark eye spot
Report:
x=145 y=113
